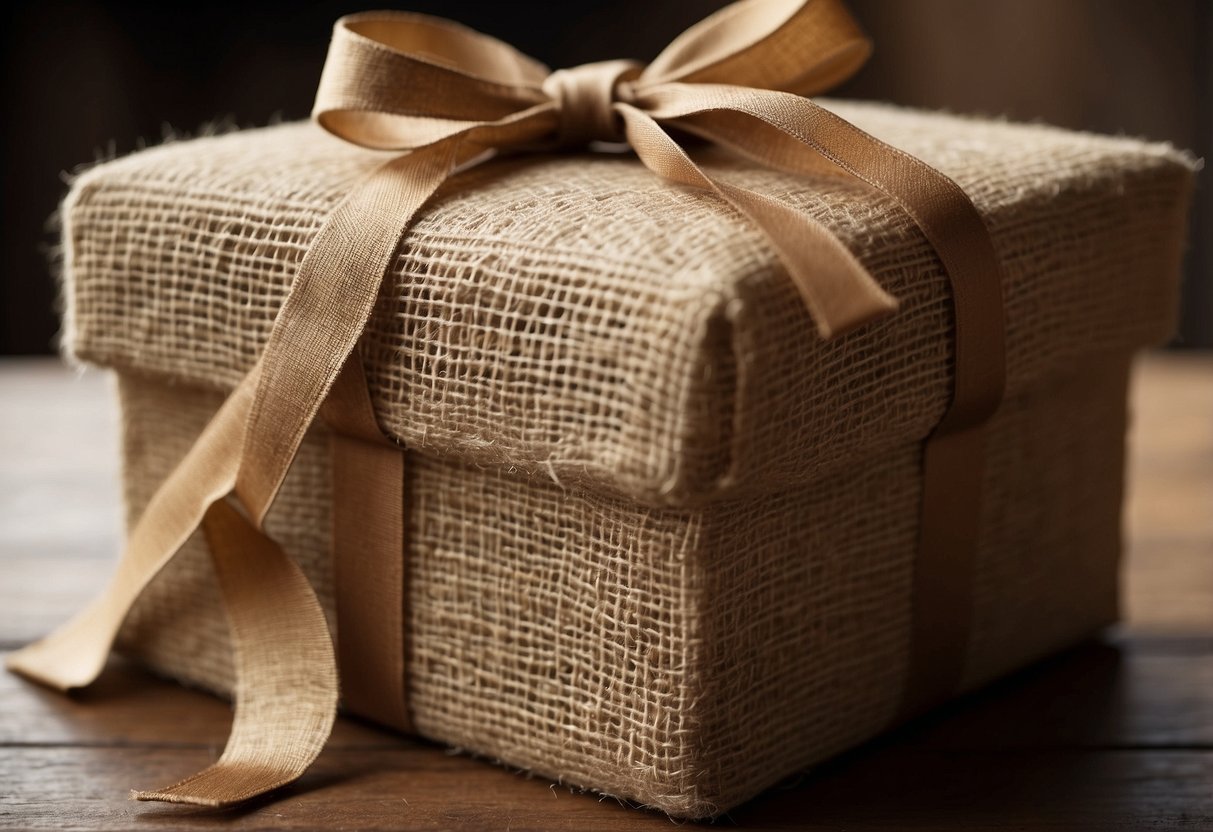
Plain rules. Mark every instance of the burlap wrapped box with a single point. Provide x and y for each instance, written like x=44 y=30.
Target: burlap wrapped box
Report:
x=660 y=534
x=638 y=484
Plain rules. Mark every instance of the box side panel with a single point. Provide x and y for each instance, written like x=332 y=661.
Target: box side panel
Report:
x=547 y=629
x=808 y=597
x=685 y=659
x=1091 y=267
x=1051 y=537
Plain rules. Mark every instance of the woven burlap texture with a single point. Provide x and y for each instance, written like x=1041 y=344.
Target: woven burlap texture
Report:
x=660 y=534
x=577 y=316
x=682 y=658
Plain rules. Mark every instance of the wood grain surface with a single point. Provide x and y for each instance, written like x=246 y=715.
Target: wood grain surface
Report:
x=1116 y=735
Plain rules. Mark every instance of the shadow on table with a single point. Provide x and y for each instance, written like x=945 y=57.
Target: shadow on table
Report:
x=1033 y=744
x=1087 y=728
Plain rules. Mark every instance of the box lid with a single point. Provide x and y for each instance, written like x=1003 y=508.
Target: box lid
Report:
x=577 y=318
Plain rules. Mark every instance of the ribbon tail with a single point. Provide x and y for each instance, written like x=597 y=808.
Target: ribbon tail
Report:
x=286 y=693
x=276 y=622
x=328 y=306
x=73 y=655
x=788 y=131
x=286 y=696
x=838 y=291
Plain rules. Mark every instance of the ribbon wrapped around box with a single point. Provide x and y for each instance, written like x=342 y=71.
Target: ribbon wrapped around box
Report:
x=665 y=486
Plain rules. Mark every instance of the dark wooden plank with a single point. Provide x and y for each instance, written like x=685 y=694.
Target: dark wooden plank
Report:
x=908 y=788
x=42 y=587
x=1169 y=506
x=128 y=706
x=1102 y=695
x=411 y=788
x=422 y=788
x=1098 y=696
x=60 y=510
x=1169 y=586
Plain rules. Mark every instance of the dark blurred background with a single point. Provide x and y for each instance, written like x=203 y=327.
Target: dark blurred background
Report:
x=85 y=79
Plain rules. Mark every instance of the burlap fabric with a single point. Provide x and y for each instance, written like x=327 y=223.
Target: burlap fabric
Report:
x=683 y=658
x=582 y=318
x=661 y=535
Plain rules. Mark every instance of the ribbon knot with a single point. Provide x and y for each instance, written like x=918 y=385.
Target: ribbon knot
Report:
x=585 y=99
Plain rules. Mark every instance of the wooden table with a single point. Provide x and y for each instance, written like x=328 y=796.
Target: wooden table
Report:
x=1115 y=735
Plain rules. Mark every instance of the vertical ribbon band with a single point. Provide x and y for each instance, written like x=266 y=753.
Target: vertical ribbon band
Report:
x=369 y=563
x=441 y=95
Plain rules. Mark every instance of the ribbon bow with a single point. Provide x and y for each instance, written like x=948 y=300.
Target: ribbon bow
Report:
x=399 y=81
x=442 y=96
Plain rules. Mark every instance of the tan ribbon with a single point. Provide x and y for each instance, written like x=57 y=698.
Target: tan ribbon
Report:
x=368 y=554
x=448 y=95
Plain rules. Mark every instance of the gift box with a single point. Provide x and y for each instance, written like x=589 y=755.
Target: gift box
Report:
x=657 y=536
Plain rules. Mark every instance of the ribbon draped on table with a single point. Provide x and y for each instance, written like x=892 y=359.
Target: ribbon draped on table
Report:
x=440 y=96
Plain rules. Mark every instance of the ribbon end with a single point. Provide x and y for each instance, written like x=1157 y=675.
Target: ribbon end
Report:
x=877 y=304
x=169 y=796
x=55 y=663
x=222 y=785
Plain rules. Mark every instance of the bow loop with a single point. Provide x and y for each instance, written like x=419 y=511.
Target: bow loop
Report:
x=585 y=98
x=399 y=81
x=800 y=46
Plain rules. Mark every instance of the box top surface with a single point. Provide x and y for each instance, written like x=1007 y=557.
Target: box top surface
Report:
x=578 y=318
